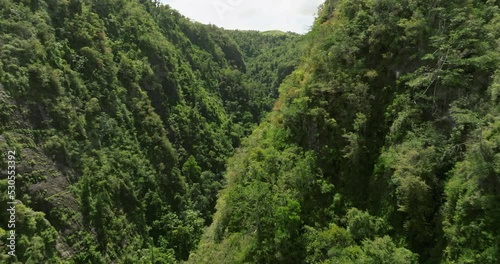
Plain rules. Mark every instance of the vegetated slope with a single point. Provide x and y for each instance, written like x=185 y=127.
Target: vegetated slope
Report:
x=118 y=114
x=269 y=56
x=250 y=92
x=382 y=148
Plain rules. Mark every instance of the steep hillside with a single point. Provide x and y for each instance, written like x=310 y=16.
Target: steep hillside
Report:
x=270 y=56
x=125 y=123
x=118 y=115
x=384 y=146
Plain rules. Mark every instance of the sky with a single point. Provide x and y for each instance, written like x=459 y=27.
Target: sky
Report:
x=285 y=15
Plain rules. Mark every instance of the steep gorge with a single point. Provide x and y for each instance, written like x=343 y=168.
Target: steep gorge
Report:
x=122 y=115
x=383 y=147
x=144 y=137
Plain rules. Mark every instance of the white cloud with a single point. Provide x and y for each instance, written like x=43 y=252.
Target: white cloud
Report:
x=286 y=15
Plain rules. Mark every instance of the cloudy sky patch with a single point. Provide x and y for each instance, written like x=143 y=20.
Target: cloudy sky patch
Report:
x=286 y=15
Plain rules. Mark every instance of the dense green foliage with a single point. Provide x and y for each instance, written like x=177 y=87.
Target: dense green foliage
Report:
x=384 y=146
x=270 y=57
x=144 y=137
x=122 y=115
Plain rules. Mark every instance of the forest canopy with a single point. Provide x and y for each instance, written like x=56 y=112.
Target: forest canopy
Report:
x=144 y=137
